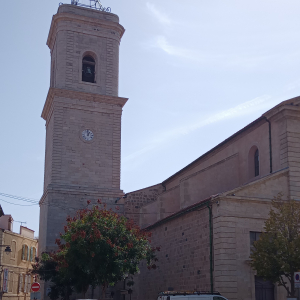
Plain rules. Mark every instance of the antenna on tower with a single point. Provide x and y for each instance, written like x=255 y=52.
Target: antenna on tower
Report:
x=21 y=222
x=96 y=4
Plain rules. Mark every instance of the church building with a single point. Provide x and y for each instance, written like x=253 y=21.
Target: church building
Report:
x=206 y=216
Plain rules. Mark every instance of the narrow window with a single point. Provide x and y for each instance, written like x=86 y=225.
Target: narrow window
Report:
x=13 y=249
x=256 y=163
x=31 y=253
x=10 y=282
x=23 y=252
x=254 y=236
x=88 y=69
x=28 y=253
x=21 y=283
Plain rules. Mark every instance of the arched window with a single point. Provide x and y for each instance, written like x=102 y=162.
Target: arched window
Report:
x=25 y=253
x=13 y=249
x=256 y=163
x=34 y=254
x=253 y=162
x=88 y=69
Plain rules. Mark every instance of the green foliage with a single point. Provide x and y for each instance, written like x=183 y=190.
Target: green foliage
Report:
x=100 y=248
x=276 y=254
x=47 y=269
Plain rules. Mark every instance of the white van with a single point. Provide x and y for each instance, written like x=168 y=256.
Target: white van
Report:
x=183 y=296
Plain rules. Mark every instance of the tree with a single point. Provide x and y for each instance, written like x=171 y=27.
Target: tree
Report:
x=98 y=248
x=276 y=254
x=47 y=269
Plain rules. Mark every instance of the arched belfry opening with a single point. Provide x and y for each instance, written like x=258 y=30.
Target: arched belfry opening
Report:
x=88 y=69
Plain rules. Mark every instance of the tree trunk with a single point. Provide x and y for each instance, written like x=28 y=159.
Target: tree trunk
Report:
x=104 y=287
x=292 y=286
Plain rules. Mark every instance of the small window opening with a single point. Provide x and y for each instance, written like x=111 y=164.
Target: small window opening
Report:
x=254 y=236
x=256 y=163
x=88 y=69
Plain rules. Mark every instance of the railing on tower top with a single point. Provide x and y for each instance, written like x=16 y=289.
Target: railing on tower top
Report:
x=94 y=4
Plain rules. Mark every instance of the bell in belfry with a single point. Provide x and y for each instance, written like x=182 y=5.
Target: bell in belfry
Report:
x=88 y=71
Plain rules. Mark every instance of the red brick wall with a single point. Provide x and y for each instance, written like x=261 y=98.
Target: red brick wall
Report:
x=184 y=243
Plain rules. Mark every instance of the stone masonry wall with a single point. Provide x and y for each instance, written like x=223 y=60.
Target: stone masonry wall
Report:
x=69 y=159
x=137 y=199
x=76 y=35
x=183 y=261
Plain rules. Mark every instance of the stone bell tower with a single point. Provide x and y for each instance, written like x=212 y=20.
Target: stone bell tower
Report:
x=83 y=117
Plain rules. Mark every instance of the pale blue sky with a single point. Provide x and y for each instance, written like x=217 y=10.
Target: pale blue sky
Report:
x=195 y=72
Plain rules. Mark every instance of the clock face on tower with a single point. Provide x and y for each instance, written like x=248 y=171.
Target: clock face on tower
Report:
x=87 y=135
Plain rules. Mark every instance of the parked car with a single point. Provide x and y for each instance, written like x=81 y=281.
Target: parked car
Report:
x=190 y=296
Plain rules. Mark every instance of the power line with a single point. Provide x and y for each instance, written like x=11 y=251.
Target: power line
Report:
x=30 y=200
x=19 y=198
x=18 y=204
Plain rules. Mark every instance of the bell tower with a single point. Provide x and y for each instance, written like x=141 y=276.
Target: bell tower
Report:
x=83 y=117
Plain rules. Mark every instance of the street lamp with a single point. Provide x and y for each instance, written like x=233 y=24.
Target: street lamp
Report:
x=7 y=250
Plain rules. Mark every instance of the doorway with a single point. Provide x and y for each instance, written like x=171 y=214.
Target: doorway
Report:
x=264 y=290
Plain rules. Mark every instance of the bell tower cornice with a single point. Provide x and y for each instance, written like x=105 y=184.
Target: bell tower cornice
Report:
x=102 y=24
x=70 y=94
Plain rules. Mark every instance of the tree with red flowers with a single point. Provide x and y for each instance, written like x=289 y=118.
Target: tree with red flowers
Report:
x=98 y=248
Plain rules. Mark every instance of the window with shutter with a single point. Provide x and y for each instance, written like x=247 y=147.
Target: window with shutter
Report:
x=28 y=253
x=20 y=282
x=31 y=253
x=13 y=249
x=25 y=284
x=10 y=282
x=23 y=252
x=28 y=283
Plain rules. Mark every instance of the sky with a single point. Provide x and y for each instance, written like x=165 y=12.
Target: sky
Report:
x=195 y=72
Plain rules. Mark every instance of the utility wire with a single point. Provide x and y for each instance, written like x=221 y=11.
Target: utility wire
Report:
x=19 y=198
x=30 y=200
x=18 y=204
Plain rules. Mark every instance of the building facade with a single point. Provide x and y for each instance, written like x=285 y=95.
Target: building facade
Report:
x=15 y=266
x=206 y=216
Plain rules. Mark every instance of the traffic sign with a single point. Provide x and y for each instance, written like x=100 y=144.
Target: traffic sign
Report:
x=35 y=296
x=297 y=279
x=35 y=287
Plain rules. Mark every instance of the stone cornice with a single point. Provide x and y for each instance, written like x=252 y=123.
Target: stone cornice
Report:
x=71 y=94
x=261 y=180
x=106 y=24
x=82 y=191
x=292 y=105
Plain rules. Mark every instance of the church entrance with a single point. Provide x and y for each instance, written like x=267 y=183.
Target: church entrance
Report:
x=264 y=290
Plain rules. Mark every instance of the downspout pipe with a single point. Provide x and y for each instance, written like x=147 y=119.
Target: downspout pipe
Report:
x=270 y=145
x=210 y=248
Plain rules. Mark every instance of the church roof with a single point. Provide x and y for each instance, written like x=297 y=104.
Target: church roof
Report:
x=264 y=118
